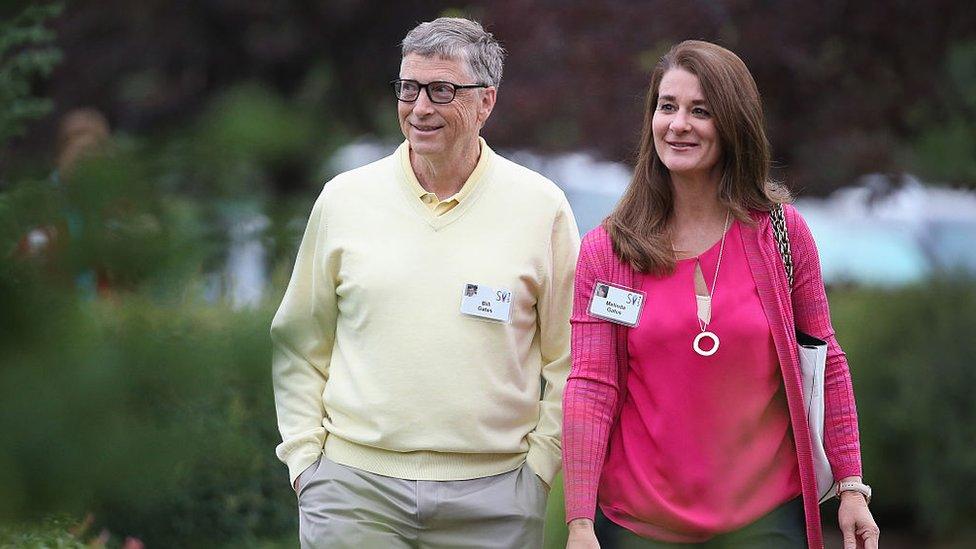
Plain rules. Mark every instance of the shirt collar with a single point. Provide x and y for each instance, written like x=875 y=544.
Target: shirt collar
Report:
x=469 y=184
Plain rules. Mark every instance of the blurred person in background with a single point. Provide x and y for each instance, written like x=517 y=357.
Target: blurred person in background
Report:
x=427 y=312
x=690 y=426
x=83 y=133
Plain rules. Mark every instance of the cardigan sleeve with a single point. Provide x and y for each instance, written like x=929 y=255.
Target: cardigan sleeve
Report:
x=812 y=315
x=593 y=388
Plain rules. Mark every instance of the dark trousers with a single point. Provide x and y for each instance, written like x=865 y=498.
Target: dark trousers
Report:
x=782 y=528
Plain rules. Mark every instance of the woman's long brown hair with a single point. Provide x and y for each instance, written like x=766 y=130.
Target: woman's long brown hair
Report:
x=638 y=226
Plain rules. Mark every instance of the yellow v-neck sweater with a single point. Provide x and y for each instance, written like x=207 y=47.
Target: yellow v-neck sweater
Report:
x=375 y=365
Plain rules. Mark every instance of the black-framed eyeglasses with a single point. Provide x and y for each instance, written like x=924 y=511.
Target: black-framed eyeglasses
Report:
x=438 y=91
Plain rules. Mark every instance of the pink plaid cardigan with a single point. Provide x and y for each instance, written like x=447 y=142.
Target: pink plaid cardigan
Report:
x=596 y=388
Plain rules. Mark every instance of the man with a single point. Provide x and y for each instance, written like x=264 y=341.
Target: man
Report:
x=410 y=410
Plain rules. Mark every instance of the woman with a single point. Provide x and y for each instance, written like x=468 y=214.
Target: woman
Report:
x=687 y=412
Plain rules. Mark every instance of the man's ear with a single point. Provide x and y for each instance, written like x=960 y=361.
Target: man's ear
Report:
x=487 y=104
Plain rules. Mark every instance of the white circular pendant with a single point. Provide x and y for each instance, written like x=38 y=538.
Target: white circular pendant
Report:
x=704 y=335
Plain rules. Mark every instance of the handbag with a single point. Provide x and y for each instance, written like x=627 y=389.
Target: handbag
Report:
x=813 y=362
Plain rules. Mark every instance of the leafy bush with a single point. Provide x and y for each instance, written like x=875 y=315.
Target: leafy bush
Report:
x=157 y=418
x=912 y=355
x=52 y=533
x=946 y=147
x=26 y=52
x=145 y=405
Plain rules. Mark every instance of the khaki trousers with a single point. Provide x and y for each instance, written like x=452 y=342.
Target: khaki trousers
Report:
x=343 y=507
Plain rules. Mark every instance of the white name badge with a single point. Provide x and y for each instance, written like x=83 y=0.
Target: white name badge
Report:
x=486 y=302
x=616 y=304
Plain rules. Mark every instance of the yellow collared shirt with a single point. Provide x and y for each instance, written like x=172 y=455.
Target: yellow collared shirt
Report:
x=438 y=206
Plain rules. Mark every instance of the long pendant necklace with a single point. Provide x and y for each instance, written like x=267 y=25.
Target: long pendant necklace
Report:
x=705 y=302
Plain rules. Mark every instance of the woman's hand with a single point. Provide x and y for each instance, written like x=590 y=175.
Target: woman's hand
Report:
x=856 y=522
x=582 y=535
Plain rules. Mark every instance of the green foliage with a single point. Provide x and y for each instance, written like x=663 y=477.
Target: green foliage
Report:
x=244 y=133
x=141 y=403
x=949 y=152
x=208 y=367
x=911 y=355
x=253 y=123
x=946 y=146
x=109 y=226
x=52 y=533
x=555 y=530
x=25 y=54
x=245 y=140
x=156 y=418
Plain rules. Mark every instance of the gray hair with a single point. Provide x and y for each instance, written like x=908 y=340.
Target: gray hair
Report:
x=462 y=39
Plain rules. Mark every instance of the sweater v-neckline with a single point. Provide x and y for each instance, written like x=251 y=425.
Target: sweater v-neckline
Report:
x=478 y=181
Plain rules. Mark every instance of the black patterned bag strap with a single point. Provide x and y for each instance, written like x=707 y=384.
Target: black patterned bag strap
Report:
x=782 y=240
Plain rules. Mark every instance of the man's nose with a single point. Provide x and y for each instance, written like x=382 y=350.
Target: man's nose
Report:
x=423 y=105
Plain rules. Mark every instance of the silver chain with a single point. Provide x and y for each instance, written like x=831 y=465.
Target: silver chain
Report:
x=718 y=263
